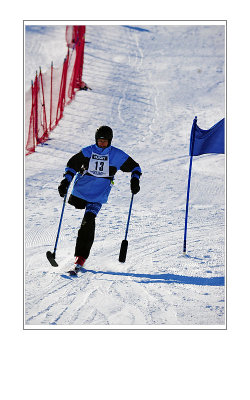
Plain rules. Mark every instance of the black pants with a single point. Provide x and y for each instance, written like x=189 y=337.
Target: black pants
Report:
x=86 y=235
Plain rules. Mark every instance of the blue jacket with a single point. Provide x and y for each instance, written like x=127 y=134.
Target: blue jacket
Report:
x=94 y=169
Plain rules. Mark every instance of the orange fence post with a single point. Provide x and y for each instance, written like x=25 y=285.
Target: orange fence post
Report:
x=44 y=122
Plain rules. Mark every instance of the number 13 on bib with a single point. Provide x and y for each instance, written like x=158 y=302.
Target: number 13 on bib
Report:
x=99 y=165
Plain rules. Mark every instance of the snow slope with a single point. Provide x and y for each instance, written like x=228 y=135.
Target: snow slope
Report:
x=148 y=84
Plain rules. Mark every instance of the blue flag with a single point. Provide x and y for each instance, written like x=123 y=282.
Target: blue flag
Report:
x=207 y=141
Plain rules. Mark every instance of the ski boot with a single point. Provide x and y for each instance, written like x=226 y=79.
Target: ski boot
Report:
x=79 y=262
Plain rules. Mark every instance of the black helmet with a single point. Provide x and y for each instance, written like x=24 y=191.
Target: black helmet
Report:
x=104 y=132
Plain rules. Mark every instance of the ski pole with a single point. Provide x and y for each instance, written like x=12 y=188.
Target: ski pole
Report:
x=51 y=256
x=124 y=244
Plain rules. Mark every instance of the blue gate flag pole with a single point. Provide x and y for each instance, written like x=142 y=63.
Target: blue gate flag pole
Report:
x=203 y=142
x=192 y=138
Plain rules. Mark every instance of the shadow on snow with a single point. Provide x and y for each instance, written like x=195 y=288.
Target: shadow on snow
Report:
x=137 y=28
x=167 y=278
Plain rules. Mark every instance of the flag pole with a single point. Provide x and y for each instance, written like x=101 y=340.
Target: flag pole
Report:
x=189 y=181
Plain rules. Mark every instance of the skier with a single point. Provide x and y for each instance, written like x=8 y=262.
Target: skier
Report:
x=95 y=167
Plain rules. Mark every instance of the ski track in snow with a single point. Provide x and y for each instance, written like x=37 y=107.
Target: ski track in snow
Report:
x=148 y=84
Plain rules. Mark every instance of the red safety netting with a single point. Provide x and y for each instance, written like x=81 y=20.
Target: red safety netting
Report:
x=75 y=38
x=51 y=91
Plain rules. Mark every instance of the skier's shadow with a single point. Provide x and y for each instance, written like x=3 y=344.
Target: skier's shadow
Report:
x=167 y=278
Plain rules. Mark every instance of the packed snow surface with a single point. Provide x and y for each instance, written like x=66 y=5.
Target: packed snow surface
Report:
x=148 y=83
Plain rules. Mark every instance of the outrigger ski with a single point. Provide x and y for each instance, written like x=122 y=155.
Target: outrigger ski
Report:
x=51 y=258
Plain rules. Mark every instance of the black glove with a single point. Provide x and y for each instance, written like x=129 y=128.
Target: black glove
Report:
x=63 y=187
x=134 y=184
